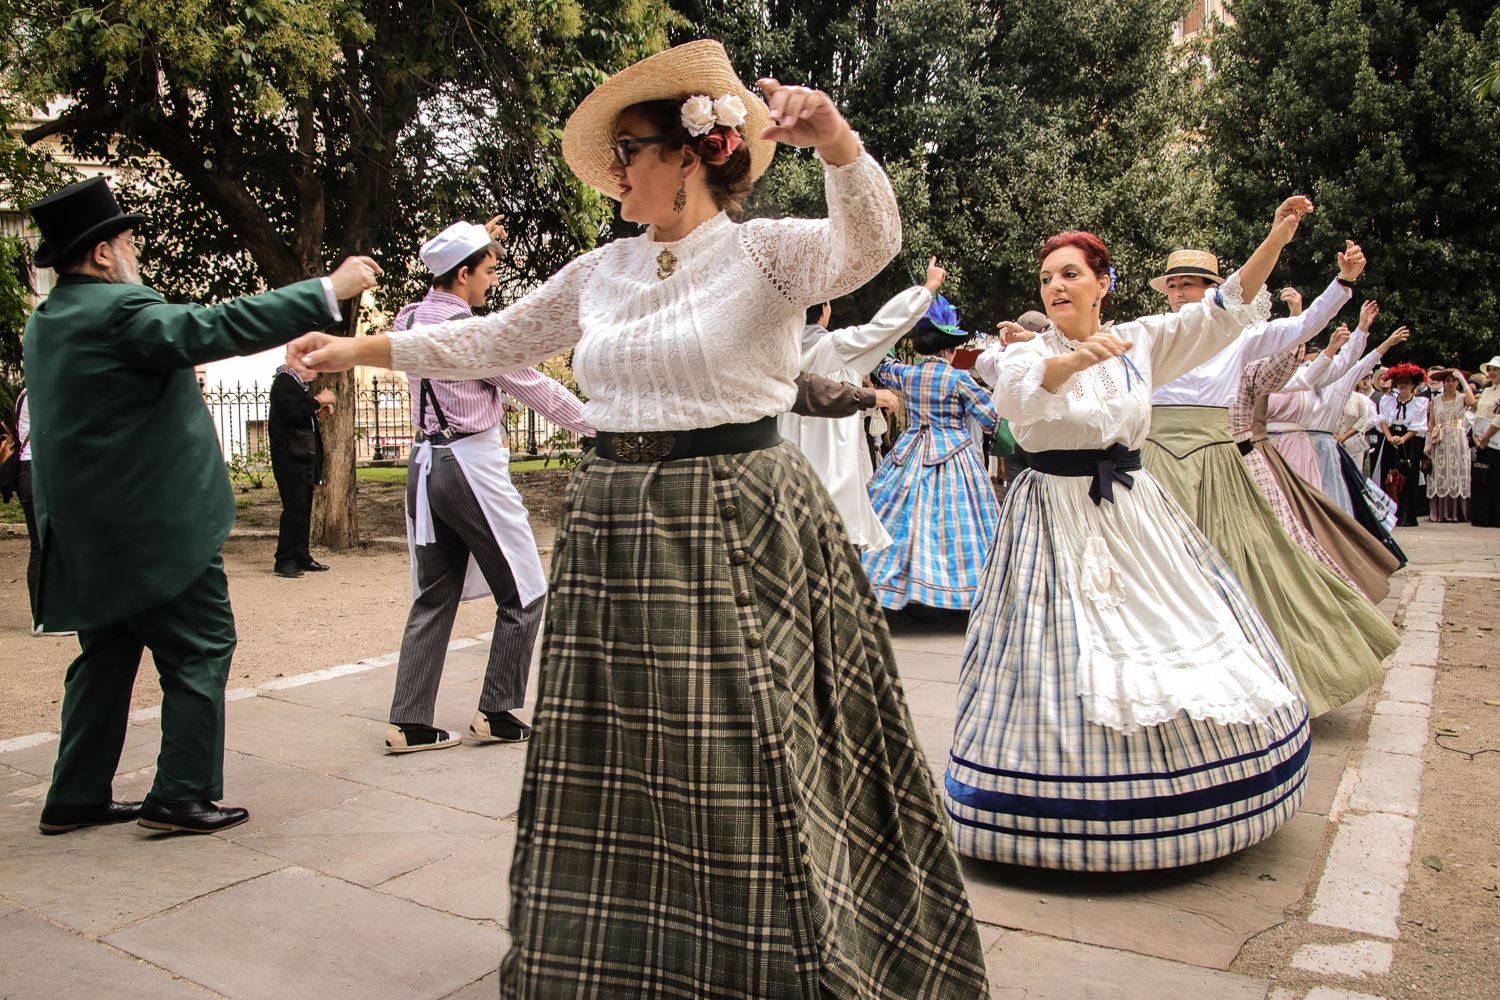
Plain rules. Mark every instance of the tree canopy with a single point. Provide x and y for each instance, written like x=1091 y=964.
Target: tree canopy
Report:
x=1368 y=107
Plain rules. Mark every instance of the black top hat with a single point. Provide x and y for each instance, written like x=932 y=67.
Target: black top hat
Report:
x=76 y=217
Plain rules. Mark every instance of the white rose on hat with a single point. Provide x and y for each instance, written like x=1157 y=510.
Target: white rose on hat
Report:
x=730 y=110
x=453 y=246
x=698 y=115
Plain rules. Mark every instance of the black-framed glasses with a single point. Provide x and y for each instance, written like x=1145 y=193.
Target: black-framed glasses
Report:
x=624 y=149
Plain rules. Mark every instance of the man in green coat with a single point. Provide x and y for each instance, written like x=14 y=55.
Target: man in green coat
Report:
x=133 y=504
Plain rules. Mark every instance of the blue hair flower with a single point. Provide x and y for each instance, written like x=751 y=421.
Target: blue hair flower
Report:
x=1113 y=278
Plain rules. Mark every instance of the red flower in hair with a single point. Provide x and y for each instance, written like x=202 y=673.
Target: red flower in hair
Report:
x=718 y=145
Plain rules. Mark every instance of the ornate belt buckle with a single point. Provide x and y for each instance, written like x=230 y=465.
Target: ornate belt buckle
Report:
x=644 y=446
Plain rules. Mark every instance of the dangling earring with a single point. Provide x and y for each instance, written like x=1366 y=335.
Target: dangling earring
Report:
x=680 y=202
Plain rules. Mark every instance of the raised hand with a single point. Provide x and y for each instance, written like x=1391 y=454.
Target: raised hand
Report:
x=1289 y=216
x=1399 y=337
x=1339 y=338
x=1351 y=262
x=1292 y=298
x=353 y=277
x=935 y=276
x=496 y=229
x=1368 y=314
x=801 y=116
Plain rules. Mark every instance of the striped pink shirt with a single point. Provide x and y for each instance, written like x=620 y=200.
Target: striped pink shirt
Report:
x=475 y=405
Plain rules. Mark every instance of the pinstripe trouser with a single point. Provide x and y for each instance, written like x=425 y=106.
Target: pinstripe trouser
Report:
x=461 y=530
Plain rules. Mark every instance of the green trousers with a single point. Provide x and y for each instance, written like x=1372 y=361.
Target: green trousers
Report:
x=191 y=638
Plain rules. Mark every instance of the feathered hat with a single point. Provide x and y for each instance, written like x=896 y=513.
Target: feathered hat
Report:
x=942 y=317
x=1406 y=371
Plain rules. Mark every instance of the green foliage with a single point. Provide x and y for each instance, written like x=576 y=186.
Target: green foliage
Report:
x=248 y=467
x=267 y=139
x=1367 y=106
x=999 y=123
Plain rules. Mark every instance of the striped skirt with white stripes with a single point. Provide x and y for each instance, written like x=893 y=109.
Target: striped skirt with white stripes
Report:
x=1031 y=780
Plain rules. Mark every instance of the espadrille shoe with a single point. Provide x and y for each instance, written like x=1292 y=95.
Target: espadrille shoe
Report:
x=498 y=727
x=410 y=737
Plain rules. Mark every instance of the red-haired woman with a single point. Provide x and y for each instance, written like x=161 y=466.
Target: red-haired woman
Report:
x=1122 y=705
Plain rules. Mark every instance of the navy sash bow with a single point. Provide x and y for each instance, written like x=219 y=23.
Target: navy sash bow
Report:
x=1107 y=466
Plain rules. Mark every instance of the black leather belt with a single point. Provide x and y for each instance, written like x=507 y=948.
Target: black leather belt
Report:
x=1106 y=466
x=668 y=446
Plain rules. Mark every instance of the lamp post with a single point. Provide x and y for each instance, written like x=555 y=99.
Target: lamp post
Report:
x=375 y=396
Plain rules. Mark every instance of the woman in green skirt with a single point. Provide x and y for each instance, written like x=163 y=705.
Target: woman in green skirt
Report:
x=723 y=795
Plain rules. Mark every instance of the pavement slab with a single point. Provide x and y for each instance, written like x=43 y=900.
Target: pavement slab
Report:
x=1410 y=683
x=308 y=738
x=1394 y=728
x=41 y=961
x=372 y=837
x=477 y=779
x=1356 y=959
x=12 y=781
x=1029 y=967
x=1201 y=915
x=1388 y=783
x=304 y=919
x=1366 y=871
x=473 y=883
x=367 y=694
x=97 y=879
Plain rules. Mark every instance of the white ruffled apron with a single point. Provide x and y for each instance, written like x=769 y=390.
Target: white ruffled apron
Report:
x=485 y=462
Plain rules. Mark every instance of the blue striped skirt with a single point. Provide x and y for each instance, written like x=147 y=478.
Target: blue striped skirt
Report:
x=1141 y=614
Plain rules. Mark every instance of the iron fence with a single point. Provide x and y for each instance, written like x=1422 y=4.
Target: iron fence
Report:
x=382 y=423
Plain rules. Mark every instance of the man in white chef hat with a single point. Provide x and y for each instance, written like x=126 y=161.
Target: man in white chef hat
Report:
x=467 y=530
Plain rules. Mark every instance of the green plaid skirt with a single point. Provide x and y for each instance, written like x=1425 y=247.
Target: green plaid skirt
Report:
x=723 y=793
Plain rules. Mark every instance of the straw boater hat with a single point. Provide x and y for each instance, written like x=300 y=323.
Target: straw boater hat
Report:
x=1194 y=263
x=697 y=68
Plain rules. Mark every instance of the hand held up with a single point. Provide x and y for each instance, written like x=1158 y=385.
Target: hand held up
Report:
x=355 y=276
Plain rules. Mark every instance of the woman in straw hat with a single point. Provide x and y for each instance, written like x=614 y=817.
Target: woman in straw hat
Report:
x=1484 y=503
x=1448 y=422
x=1333 y=636
x=1121 y=704
x=723 y=796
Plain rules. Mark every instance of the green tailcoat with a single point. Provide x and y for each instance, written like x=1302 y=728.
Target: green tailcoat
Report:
x=132 y=498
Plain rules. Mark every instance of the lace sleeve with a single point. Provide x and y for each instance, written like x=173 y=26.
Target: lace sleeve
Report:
x=1232 y=296
x=815 y=260
x=533 y=329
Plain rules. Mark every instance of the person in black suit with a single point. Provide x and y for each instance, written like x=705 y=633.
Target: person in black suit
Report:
x=297 y=464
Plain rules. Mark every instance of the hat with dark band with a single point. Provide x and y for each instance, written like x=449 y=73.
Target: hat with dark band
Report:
x=77 y=217
x=1189 y=263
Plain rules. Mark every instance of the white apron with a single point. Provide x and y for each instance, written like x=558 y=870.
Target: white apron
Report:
x=485 y=462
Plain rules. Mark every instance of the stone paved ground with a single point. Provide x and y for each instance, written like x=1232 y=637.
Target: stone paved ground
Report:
x=367 y=876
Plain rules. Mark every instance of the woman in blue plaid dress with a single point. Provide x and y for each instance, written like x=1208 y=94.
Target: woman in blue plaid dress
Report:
x=932 y=492
x=1122 y=705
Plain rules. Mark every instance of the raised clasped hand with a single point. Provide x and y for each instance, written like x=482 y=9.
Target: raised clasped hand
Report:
x=1013 y=333
x=1289 y=216
x=323 y=352
x=800 y=116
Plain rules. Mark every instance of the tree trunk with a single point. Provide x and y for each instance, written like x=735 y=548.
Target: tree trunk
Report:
x=334 y=524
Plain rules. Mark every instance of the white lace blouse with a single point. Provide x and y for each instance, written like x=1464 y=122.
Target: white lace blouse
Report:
x=1110 y=402
x=716 y=341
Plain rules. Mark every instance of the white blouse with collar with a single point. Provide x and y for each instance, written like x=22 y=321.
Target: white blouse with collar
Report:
x=715 y=342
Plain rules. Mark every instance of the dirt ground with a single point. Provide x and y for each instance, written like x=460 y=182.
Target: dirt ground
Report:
x=286 y=627
x=1450 y=913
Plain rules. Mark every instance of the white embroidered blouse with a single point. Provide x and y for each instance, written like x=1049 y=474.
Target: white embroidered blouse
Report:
x=717 y=341
x=1110 y=403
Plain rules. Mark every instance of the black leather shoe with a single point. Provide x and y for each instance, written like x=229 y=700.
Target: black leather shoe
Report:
x=65 y=819
x=313 y=566
x=189 y=817
x=289 y=570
